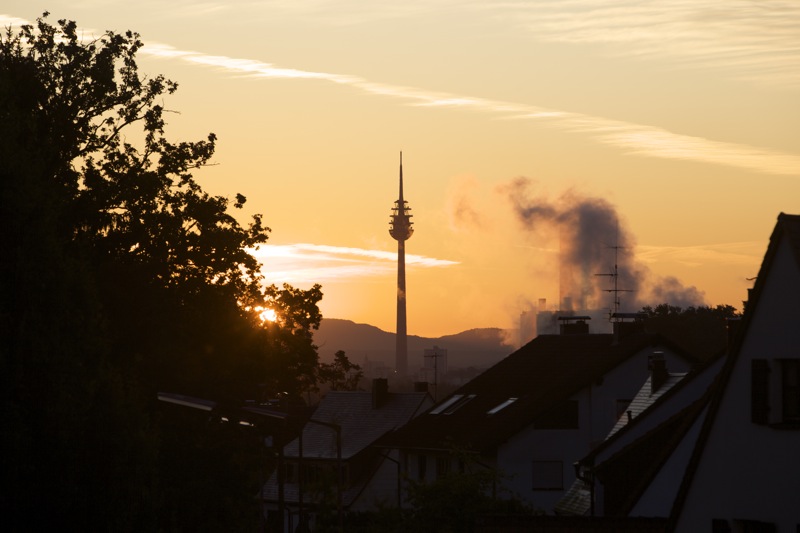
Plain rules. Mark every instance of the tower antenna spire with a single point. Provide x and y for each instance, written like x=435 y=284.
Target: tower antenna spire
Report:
x=400 y=229
x=401 y=176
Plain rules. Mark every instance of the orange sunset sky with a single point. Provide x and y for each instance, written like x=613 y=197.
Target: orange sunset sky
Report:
x=676 y=120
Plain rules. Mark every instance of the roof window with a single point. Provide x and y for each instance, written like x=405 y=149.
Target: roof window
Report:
x=452 y=405
x=501 y=406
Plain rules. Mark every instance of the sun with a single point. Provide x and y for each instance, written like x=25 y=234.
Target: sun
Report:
x=266 y=314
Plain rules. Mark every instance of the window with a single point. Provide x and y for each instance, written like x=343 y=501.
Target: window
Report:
x=446 y=404
x=779 y=389
x=313 y=474
x=790 y=389
x=759 y=391
x=501 y=406
x=561 y=416
x=548 y=475
x=442 y=466
x=452 y=404
x=290 y=472
x=422 y=467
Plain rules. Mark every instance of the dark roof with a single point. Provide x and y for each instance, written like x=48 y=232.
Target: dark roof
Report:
x=540 y=375
x=786 y=226
x=645 y=399
x=360 y=423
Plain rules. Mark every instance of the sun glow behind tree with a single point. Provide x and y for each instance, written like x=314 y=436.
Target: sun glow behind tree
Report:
x=266 y=314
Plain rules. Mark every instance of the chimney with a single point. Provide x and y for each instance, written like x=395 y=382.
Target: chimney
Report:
x=420 y=386
x=658 y=371
x=625 y=324
x=380 y=392
x=574 y=325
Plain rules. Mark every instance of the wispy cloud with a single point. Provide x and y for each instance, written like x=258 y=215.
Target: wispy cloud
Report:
x=632 y=138
x=754 y=40
x=635 y=139
x=316 y=263
x=757 y=41
x=748 y=253
x=246 y=67
x=7 y=21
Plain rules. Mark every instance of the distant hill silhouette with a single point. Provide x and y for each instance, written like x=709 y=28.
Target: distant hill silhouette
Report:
x=479 y=348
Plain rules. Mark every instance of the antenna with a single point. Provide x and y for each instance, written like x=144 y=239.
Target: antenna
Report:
x=435 y=354
x=615 y=275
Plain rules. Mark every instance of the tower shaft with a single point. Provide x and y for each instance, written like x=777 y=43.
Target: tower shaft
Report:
x=400 y=229
x=401 y=340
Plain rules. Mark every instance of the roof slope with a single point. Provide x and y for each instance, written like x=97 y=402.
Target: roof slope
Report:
x=540 y=375
x=627 y=474
x=644 y=399
x=360 y=423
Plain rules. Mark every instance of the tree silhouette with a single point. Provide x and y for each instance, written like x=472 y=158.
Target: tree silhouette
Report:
x=701 y=330
x=341 y=374
x=120 y=277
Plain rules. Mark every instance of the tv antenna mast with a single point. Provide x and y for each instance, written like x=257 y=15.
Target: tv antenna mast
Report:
x=614 y=311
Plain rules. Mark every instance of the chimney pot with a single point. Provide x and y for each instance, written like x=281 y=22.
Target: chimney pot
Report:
x=658 y=371
x=380 y=392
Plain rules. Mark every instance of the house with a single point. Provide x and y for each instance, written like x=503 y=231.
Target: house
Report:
x=721 y=458
x=536 y=412
x=743 y=472
x=613 y=478
x=339 y=438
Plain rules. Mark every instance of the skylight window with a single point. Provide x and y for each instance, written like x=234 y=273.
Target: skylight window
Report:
x=447 y=404
x=452 y=405
x=501 y=406
x=458 y=405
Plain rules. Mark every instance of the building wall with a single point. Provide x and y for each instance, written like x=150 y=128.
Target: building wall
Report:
x=750 y=471
x=381 y=492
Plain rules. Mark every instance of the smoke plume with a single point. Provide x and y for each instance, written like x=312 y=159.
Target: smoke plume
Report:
x=594 y=246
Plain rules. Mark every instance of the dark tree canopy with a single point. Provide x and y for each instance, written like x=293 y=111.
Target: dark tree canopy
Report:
x=702 y=330
x=121 y=277
x=341 y=374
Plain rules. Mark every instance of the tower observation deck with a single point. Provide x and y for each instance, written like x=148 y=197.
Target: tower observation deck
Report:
x=400 y=229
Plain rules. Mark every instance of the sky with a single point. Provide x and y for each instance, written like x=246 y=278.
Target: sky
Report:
x=544 y=142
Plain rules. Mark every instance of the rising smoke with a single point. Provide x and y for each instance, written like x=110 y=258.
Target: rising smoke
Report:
x=592 y=240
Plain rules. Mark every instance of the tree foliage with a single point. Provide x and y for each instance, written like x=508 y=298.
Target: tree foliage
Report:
x=341 y=374
x=702 y=330
x=120 y=277
x=453 y=502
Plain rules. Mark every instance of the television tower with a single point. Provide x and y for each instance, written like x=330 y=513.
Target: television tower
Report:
x=400 y=229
